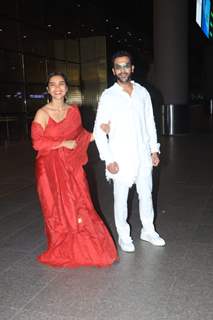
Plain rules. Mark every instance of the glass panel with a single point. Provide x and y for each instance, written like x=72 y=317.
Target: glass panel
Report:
x=35 y=69
x=73 y=73
x=74 y=95
x=9 y=31
x=50 y=44
x=56 y=65
x=93 y=58
x=92 y=48
x=36 y=98
x=72 y=50
x=11 y=66
x=93 y=69
x=12 y=127
x=102 y=70
x=56 y=48
x=12 y=98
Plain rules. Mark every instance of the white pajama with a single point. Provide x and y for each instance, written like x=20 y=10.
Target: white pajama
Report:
x=144 y=189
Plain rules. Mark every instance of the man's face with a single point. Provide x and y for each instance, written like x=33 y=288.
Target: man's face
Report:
x=122 y=69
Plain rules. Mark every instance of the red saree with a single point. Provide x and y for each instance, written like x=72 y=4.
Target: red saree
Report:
x=76 y=236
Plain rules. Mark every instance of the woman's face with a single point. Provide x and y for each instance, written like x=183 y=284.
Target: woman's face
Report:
x=57 y=87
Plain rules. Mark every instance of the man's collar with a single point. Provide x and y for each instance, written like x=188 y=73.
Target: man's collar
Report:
x=120 y=87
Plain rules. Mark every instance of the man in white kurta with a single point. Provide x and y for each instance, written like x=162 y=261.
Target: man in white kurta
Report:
x=130 y=148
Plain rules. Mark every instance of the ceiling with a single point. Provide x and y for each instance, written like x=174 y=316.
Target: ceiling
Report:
x=125 y=24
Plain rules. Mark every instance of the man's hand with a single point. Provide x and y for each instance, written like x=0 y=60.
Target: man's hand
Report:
x=113 y=167
x=105 y=127
x=155 y=159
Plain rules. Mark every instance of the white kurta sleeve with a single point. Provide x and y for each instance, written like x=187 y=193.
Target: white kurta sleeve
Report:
x=150 y=125
x=101 y=139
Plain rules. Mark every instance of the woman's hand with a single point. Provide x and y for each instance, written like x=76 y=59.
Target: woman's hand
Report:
x=113 y=167
x=69 y=144
x=92 y=138
x=106 y=127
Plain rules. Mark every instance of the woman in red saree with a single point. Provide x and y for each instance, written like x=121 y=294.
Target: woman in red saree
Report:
x=76 y=236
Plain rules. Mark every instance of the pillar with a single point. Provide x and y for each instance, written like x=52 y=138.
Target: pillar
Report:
x=170 y=19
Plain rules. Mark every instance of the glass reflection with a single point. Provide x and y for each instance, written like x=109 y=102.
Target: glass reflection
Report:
x=11 y=66
x=35 y=69
x=12 y=98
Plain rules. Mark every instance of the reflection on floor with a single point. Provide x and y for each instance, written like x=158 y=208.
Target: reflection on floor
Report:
x=174 y=282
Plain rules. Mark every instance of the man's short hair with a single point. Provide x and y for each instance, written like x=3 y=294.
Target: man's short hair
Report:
x=121 y=53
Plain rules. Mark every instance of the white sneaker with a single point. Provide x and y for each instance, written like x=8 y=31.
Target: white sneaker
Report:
x=126 y=246
x=153 y=238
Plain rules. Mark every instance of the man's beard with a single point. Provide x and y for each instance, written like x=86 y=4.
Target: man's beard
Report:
x=123 y=81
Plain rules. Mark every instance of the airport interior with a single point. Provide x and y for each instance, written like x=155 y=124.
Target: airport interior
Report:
x=173 y=60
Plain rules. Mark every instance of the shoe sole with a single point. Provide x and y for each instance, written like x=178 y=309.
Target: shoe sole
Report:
x=154 y=244
x=126 y=250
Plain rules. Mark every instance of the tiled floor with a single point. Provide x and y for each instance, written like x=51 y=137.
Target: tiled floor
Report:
x=170 y=283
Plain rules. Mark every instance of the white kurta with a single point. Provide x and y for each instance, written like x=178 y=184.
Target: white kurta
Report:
x=132 y=136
